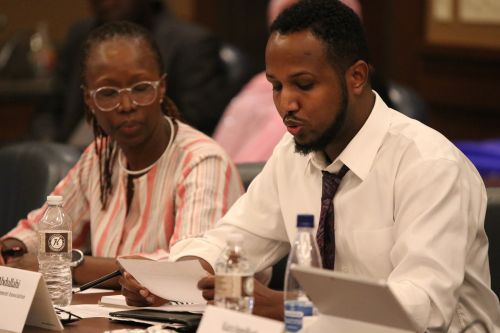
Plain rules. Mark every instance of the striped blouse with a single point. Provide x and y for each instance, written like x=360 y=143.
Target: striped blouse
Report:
x=190 y=188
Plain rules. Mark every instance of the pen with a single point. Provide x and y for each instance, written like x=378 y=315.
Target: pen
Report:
x=15 y=251
x=97 y=282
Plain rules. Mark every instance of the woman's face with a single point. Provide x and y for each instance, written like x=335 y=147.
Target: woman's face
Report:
x=121 y=63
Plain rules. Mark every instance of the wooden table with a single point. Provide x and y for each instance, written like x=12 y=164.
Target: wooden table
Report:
x=87 y=325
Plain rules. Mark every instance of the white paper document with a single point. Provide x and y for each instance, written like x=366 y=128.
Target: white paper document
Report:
x=90 y=310
x=174 y=281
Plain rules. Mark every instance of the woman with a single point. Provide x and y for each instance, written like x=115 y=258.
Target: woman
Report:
x=147 y=180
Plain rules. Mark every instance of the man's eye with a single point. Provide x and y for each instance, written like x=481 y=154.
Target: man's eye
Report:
x=305 y=86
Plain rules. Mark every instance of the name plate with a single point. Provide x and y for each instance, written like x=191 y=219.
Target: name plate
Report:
x=220 y=320
x=24 y=299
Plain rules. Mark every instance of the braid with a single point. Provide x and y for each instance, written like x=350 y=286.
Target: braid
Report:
x=106 y=155
x=169 y=108
x=105 y=146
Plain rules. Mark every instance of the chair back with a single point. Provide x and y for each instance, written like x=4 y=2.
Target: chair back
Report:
x=248 y=171
x=238 y=68
x=29 y=171
x=492 y=227
x=407 y=101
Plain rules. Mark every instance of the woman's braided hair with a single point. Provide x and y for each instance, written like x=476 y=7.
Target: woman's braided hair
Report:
x=105 y=146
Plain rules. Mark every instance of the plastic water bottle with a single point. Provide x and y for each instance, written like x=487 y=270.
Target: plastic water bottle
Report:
x=234 y=277
x=54 y=253
x=305 y=253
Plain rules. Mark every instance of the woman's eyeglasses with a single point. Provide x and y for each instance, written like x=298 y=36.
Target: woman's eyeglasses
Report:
x=142 y=93
x=66 y=317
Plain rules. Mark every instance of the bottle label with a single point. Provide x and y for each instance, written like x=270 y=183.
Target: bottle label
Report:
x=233 y=286
x=55 y=242
x=295 y=311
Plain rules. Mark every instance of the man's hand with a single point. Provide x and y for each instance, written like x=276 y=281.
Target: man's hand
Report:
x=135 y=294
x=207 y=287
x=268 y=302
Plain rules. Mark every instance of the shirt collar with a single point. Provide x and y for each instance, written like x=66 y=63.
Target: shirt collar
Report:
x=360 y=153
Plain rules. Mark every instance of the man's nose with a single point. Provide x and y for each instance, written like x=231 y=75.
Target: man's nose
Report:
x=288 y=102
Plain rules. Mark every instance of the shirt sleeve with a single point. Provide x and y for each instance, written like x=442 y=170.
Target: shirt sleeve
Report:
x=72 y=188
x=257 y=216
x=438 y=210
x=208 y=187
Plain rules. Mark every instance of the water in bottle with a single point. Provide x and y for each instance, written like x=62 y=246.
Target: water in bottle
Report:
x=234 y=277
x=304 y=252
x=54 y=253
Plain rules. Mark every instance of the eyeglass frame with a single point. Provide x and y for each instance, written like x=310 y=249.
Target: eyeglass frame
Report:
x=128 y=89
x=71 y=316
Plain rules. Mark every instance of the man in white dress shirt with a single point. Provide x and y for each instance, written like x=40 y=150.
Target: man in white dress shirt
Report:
x=409 y=210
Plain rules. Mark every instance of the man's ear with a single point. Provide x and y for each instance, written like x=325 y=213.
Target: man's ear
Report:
x=357 y=76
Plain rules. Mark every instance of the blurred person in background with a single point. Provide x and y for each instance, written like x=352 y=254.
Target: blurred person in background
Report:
x=195 y=73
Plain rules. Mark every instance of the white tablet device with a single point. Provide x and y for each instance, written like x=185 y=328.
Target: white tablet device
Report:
x=353 y=298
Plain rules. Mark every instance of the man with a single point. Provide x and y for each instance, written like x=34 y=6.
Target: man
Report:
x=410 y=208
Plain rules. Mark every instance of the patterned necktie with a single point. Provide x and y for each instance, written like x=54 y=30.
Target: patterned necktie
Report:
x=326 y=232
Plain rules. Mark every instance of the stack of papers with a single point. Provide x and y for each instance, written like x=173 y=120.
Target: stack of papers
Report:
x=175 y=281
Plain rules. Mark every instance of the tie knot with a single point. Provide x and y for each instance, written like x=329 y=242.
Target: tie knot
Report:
x=331 y=182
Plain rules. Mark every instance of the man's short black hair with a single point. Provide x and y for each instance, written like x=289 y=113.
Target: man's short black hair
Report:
x=332 y=22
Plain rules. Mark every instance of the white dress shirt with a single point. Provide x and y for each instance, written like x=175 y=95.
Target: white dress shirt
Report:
x=410 y=210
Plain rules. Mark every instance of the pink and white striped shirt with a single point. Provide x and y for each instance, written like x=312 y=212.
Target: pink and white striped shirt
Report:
x=190 y=188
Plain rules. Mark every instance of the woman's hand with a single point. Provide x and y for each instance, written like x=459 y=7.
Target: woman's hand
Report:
x=2 y=260
x=135 y=294
x=20 y=250
x=27 y=261
x=268 y=302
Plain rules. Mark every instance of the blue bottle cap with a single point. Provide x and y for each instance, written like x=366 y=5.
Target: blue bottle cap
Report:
x=305 y=221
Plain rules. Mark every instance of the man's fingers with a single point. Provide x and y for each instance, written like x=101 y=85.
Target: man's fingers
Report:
x=129 y=282
x=208 y=294
x=206 y=282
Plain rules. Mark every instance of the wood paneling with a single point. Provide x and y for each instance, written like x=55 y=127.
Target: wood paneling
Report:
x=23 y=15
x=461 y=85
x=239 y=22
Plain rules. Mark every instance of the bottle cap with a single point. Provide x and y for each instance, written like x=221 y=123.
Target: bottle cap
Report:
x=54 y=199
x=234 y=238
x=305 y=221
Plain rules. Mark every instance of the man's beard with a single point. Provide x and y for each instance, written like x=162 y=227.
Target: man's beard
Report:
x=331 y=132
